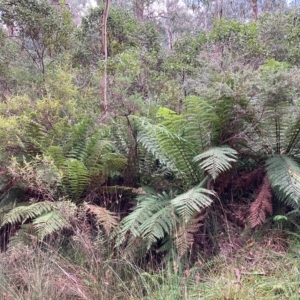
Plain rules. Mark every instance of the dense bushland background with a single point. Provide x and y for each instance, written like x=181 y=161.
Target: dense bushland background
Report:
x=149 y=150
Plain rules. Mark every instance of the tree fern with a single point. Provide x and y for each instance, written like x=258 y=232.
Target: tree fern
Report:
x=216 y=160
x=284 y=176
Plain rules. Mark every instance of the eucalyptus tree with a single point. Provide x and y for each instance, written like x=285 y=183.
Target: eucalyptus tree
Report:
x=42 y=30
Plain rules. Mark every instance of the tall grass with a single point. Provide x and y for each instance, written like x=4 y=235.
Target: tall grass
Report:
x=82 y=267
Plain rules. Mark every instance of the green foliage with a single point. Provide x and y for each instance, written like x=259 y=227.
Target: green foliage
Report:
x=123 y=32
x=216 y=160
x=42 y=28
x=22 y=213
x=75 y=178
x=280 y=33
x=156 y=217
x=283 y=173
x=193 y=201
x=237 y=38
x=201 y=118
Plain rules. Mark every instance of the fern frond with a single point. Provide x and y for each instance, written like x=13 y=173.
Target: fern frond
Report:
x=216 y=160
x=192 y=201
x=113 y=163
x=36 y=139
x=104 y=217
x=276 y=126
x=56 y=153
x=24 y=211
x=148 y=137
x=293 y=137
x=158 y=225
x=261 y=205
x=202 y=122
x=147 y=205
x=48 y=223
x=77 y=141
x=170 y=148
x=184 y=235
x=284 y=176
x=76 y=178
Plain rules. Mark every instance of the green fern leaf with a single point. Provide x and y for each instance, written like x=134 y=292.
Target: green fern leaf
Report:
x=284 y=176
x=158 y=225
x=203 y=124
x=170 y=148
x=147 y=205
x=36 y=138
x=187 y=204
x=216 y=160
x=48 y=223
x=24 y=211
x=76 y=178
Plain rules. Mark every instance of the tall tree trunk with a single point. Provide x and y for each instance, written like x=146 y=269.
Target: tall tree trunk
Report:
x=253 y=4
x=104 y=53
x=139 y=7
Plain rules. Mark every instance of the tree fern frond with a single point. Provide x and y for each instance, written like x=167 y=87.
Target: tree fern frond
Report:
x=184 y=235
x=284 y=176
x=48 y=223
x=293 y=137
x=104 y=217
x=76 y=178
x=171 y=120
x=147 y=205
x=192 y=201
x=24 y=211
x=113 y=163
x=56 y=153
x=148 y=137
x=158 y=225
x=216 y=160
x=261 y=205
x=5 y=209
x=77 y=139
x=36 y=138
x=170 y=148
x=202 y=122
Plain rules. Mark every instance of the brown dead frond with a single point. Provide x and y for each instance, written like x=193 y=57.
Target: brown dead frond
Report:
x=184 y=237
x=247 y=179
x=104 y=217
x=262 y=204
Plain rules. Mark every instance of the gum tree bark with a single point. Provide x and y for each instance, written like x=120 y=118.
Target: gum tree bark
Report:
x=104 y=53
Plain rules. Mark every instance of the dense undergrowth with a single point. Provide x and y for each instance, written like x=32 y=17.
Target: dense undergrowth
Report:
x=264 y=267
x=187 y=184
